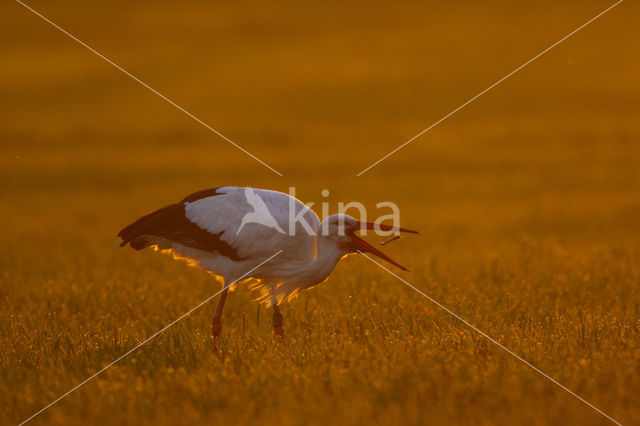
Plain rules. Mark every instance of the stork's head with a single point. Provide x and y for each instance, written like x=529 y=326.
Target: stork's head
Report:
x=342 y=229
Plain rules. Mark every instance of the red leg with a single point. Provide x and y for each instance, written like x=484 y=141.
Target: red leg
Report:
x=278 y=323
x=216 y=323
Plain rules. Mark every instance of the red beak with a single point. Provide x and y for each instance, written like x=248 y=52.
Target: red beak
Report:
x=357 y=244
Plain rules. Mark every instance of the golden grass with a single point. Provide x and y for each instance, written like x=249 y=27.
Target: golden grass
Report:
x=527 y=201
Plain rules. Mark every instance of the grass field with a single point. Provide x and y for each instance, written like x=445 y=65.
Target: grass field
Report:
x=528 y=203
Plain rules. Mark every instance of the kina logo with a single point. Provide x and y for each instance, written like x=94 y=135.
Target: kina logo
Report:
x=260 y=214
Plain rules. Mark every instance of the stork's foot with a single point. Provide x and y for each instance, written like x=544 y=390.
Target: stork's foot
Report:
x=216 y=328
x=279 y=331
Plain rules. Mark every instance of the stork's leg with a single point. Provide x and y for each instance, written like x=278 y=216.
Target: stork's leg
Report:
x=278 y=323
x=216 y=323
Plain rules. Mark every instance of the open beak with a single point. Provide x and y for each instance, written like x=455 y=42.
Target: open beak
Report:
x=357 y=244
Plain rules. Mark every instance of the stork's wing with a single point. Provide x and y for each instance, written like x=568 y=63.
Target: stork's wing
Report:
x=224 y=214
x=171 y=223
x=209 y=219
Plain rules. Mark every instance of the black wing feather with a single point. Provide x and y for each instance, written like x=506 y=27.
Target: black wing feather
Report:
x=171 y=223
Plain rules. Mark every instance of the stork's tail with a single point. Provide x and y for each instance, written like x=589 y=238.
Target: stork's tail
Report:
x=135 y=233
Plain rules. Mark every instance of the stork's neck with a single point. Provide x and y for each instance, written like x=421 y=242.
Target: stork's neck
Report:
x=328 y=257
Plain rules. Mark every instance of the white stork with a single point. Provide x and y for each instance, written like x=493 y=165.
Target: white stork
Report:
x=228 y=231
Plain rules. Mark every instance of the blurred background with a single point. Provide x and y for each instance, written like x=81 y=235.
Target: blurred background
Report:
x=540 y=172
